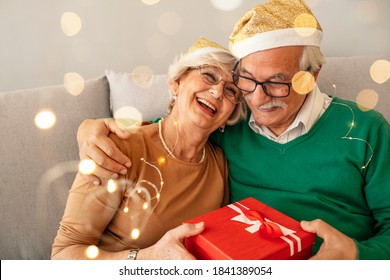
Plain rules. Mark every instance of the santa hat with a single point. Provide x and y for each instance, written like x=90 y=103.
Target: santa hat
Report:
x=201 y=47
x=276 y=23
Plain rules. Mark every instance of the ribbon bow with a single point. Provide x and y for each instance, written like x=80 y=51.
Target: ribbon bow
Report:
x=264 y=226
x=268 y=229
x=257 y=222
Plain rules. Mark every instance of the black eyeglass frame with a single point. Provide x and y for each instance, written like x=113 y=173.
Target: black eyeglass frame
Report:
x=240 y=95
x=246 y=92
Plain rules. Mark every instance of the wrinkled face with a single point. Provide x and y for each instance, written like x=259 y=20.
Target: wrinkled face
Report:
x=202 y=103
x=275 y=65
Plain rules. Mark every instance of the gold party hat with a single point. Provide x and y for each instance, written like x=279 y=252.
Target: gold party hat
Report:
x=201 y=47
x=276 y=23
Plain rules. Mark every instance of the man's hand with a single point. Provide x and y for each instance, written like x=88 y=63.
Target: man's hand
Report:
x=170 y=246
x=94 y=143
x=336 y=245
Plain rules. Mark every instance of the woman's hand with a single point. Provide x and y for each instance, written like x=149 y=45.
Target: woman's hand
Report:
x=336 y=245
x=170 y=246
x=94 y=143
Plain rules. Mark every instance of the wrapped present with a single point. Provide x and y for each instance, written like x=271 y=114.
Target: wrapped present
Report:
x=249 y=230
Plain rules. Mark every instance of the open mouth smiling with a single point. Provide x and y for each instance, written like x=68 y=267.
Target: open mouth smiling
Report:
x=207 y=106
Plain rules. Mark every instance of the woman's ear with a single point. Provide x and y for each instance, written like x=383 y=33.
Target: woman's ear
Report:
x=175 y=87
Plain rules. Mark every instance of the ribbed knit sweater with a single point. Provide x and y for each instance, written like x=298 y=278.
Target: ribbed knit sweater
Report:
x=339 y=171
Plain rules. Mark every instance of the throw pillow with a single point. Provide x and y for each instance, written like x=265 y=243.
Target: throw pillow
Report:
x=137 y=97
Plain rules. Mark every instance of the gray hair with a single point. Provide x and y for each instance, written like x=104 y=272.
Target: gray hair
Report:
x=311 y=59
x=218 y=58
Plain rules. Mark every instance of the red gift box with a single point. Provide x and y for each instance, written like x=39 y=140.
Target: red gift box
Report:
x=249 y=230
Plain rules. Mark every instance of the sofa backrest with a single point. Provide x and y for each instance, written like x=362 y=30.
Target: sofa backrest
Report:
x=31 y=210
x=38 y=166
x=351 y=76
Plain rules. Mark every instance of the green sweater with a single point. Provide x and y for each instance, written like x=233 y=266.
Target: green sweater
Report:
x=320 y=174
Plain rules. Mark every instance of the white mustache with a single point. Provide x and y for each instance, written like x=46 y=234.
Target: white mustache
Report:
x=274 y=103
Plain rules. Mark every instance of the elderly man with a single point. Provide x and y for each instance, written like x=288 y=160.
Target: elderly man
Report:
x=314 y=157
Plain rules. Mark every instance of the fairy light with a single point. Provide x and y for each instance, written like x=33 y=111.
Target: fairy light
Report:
x=135 y=233
x=111 y=186
x=45 y=119
x=141 y=192
x=87 y=166
x=158 y=191
x=92 y=252
x=161 y=160
x=352 y=126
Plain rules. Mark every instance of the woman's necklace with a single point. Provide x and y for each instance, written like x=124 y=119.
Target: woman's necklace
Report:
x=170 y=153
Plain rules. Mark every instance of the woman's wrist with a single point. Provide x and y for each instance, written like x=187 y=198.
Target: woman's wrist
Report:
x=132 y=255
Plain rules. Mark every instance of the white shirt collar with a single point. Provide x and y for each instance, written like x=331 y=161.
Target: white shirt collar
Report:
x=312 y=109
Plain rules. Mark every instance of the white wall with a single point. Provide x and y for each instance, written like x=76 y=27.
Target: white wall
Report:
x=123 y=34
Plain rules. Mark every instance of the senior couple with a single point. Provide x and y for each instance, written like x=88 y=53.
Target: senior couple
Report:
x=288 y=150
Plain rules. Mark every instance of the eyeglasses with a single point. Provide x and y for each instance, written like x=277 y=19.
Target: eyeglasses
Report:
x=211 y=76
x=248 y=85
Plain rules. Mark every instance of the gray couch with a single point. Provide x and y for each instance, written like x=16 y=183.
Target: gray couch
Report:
x=38 y=166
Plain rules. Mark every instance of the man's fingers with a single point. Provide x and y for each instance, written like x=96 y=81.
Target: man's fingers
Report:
x=110 y=149
x=318 y=227
x=115 y=128
x=105 y=168
x=98 y=154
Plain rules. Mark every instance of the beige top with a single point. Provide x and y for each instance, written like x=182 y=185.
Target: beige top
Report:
x=96 y=215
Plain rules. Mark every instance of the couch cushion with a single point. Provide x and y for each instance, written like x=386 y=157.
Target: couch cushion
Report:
x=148 y=95
x=31 y=211
x=351 y=75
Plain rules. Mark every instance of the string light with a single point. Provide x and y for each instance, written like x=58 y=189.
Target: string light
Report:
x=146 y=207
x=352 y=125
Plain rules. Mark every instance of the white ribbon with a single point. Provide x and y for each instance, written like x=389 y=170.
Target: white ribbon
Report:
x=255 y=226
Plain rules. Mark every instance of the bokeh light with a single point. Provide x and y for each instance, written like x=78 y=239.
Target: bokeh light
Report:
x=142 y=76
x=161 y=160
x=111 y=186
x=135 y=233
x=74 y=83
x=303 y=82
x=45 y=119
x=128 y=117
x=305 y=24
x=150 y=2
x=169 y=23
x=92 y=252
x=367 y=99
x=380 y=71
x=366 y=11
x=224 y=5
x=70 y=23
x=87 y=166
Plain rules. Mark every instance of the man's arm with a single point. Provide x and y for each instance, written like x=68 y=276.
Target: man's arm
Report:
x=94 y=143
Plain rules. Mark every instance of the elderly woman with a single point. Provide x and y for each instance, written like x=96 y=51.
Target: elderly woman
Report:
x=172 y=161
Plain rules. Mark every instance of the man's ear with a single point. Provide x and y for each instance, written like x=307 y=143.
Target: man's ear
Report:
x=315 y=74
